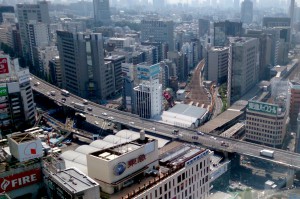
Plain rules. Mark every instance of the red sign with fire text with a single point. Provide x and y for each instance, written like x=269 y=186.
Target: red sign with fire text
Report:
x=137 y=160
x=3 y=66
x=20 y=180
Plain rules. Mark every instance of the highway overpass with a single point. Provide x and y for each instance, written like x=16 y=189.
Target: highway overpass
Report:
x=285 y=158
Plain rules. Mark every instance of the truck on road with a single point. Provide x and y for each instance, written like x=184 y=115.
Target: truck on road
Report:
x=79 y=106
x=267 y=153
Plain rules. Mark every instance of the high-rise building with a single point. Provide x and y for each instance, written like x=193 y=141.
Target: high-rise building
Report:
x=17 y=107
x=266 y=123
x=292 y=12
x=5 y=9
x=294 y=103
x=243 y=67
x=84 y=72
x=159 y=31
x=271 y=22
x=148 y=94
x=38 y=36
x=158 y=4
x=236 y=4
x=204 y=27
x=31 y=12
x=117 y=70
x=55 y=72
x=216 y=65
x=247 y=11
x=102 y=12
x=225 y=29
x=265 y=50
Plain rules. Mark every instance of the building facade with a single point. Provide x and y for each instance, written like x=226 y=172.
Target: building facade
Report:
x=266 y=123
x=294 y=103
x=225 y=29
x=217 y=64
x=17 y=107
x=83 y=69
x=243 y=67
x=27 y=12
x=101 y=12
x=247 y=11
x=159 y=31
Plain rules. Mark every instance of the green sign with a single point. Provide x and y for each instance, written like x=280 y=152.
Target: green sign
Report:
x=263 y=107
x=3 y=91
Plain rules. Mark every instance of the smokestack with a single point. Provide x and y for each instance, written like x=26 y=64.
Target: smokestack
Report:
x=142 y=135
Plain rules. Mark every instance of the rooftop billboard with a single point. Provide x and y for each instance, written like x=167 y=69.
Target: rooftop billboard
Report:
x=262 y=107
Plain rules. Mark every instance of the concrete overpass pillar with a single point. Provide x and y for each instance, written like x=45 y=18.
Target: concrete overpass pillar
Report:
x=225 y=153
x=290 y=178
x=118 y=126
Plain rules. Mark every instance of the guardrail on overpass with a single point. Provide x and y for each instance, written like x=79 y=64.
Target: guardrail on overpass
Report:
x=282 y=157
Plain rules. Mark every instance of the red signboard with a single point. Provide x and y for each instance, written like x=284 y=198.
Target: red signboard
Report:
x=20 y=180
x=137 y=160
x=3 y=66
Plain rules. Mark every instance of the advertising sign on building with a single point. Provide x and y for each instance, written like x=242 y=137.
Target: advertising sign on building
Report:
x=23 y=76
x=263 y=107
x=4 y=66
x=3 y=91
x=20 y=180
x=147 y=72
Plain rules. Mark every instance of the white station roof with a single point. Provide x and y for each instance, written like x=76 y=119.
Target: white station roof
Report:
x=101 y=144
x=86 y=149
x=115 y=139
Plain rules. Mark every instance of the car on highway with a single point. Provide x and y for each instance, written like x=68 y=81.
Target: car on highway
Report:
x=96 y=122
x=105 y=114
x=89 y=108
x=111 y=118
x=85 y=102
x=154 y=129
x=48 y=94
x=212 y=137
x=36 y=83
x=132 y=123
x=195 y=137
x=200 y=133
x=175 y=132
x=224 y=144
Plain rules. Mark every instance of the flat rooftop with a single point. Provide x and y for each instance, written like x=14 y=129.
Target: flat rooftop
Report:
x=73 y=180
x=116 y=151
x=22 y=137
x=171 y=159
x=221 y=121
x=188 y=110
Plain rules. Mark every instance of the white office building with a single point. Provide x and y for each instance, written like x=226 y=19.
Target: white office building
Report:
x=148 y=94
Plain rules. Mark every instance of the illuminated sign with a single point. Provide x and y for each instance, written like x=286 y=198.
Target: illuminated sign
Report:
x=263 y=107
x=3 y=66
x=137 y=160
x=3 y=91
x=119 y=168
x=20 y=180
x=195 y=159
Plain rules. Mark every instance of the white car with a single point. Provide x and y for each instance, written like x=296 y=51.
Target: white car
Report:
x=131 y=123
x=105 y=114
x=96 y=122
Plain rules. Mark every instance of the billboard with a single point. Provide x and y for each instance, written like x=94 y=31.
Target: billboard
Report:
x=148 y=72
x=26 y=150
x=4 y=66
x=20 y=180
x=263 y=107
x=3 y=91
x=24 y=76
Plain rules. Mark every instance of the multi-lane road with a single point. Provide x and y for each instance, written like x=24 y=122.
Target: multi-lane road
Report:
x=286 y=158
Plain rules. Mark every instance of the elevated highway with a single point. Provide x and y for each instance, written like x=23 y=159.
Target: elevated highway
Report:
x=285 y=158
